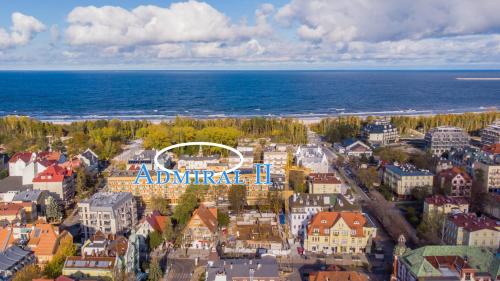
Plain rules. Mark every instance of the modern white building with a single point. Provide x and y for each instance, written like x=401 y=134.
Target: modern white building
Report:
x=380 y=133
x=353 y=148
x=313 y=158
x=108 y=212
x=277 y=159
x=491 y=134
x=442 y=139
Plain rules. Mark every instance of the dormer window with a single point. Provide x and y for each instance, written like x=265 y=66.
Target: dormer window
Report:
x=323 y=221
x=356 y=222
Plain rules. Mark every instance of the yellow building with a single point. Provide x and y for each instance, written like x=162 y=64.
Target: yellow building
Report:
x=123 y=181
x=340 y=232
x=89 y=266
x=200 y=232
x=402 y=179
x=470 y=230
x=440 y=204
x=491 y=175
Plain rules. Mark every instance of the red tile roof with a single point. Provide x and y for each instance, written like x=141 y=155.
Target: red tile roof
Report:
x=449 y=174
x=54 y=173
x=492 y=148
x=10 y=209
x=471 y=222
x=440 y=200
x=330 y=178
x=157 y=221
x=24 y=156
x=208 y=216
x=326 y=220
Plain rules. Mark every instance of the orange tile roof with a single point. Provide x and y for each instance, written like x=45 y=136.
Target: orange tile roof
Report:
x=208 y=216
x=44 y=239
x=6 y=238
x=337 y=276
x=492 y=149
x=449 y=174
x=326 y=220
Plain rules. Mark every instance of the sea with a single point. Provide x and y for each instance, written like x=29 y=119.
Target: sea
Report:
x=65 y=96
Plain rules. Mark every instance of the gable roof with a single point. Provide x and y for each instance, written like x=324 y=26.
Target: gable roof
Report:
x=326 y=220
x=451 y=173
x=440 y=200
x=44 y=239
x=23 y=156
x=208 y=216
x=157 y=221
x=54 y=173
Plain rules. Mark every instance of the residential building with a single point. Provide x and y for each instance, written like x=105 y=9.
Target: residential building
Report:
x=353 y=148
x=491 y=205
x=380 y=133
x=441 y=139
x=151 y=223
x=304 y=206
x=18 y=162
x=446 y=263
x=403 y=179
x=7 y=237
x=102 y=245
x=250 y=231
x=324 y=183
x=44 y=240
x=278 y=160
x=263 y=269
x=37 y=197
x=466 y=158
x=471 y=230
x=313 y=158
x=12 y=213
x=89 y=266
x=491 y=176
x=10 y=186
x=248 y=157
x=201 y=229
x=12 y=260
x=440 y=204
x=198 y=162
x=454 y=182
x=110 y=213
x=58 y=181
x=338 y=276
x=492 y=152
x=491 y=134
x=340 y=232
x=90 y=160
x=147 y=157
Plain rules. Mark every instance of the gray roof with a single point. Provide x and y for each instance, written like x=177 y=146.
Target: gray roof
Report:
x=28 y=195
x=13 y=184
x=198 y=158
x=12 y=256
x=378 y=128
x=407 y=170
x=335 y=202
x=244 y=268
x=107 y=200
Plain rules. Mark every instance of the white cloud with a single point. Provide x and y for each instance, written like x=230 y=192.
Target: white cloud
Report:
x=23 y=29
x=389 y=20
x=190 y=21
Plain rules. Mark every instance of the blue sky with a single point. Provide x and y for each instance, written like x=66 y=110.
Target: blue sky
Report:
x=249 y=34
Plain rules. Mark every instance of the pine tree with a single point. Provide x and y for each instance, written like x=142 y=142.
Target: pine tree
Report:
x=53 y=211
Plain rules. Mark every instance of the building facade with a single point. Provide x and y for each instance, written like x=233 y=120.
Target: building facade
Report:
x=110 y=213
x=324 y=183
x=58 y=181
x=441 y=139
x=471 y=230
x=340 y=232
x=491 y=176
x=440 y=204
x=403 y=179
x=491 y=134
x=277 y=159
x=380 y=133
x=201 y=229
x=454 y=182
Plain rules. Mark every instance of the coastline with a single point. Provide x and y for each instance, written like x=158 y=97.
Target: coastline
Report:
x=304 y=118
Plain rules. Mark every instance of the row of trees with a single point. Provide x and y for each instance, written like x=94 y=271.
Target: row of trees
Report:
x=106 y=137
x=340 y=128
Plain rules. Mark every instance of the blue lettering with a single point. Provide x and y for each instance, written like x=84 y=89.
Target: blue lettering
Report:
x=158 y=177
x=237 y=177
x=258 y=167
x=143 y=173
x=179 y=180
x=225 y=177
x=208 y=177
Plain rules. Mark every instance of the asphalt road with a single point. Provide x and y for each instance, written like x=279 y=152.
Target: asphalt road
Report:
x=180 y=270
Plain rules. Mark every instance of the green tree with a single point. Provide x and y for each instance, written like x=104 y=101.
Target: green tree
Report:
x=169 y=232
x=421 y=192
x=369 y=177
x=275 y=201
x=66 y=248
x=237 y=198
x=297 y=181
x=187 y=203
x=155 y=271
x=28 y=273
x=53 y=211
x=4 y=174
x=160 y=204
x=82 y=182
x=222 y=218
x=154 y=240
x=392 y=154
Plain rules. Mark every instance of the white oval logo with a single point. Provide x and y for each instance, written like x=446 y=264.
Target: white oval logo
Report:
x=198 y=143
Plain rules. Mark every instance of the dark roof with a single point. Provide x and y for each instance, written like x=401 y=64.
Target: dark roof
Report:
x=28 y=195
x=12 y=256
x=13 y=184
x=244 y=268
